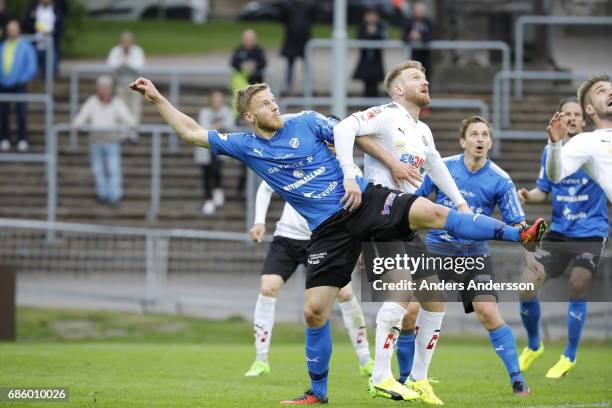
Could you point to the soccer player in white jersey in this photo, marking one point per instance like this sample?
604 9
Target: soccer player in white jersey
591 151
287 251
575 241
398 138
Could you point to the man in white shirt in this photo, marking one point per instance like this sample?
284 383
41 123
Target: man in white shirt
127 59
104 110
287 251
591 151
399 142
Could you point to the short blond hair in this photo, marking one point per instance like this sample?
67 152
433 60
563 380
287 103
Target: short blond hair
584 89
398 69
244 96
474 119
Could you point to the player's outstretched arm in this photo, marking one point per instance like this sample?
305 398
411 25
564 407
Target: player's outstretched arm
184 126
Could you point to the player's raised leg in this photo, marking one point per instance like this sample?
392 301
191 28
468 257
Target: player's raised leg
478 227
354 323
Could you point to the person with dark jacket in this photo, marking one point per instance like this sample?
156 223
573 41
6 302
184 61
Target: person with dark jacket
249 59
370 67
419 29
297 17
45 19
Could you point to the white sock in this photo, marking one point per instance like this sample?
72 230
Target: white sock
263 323
354 322
388 323
427 329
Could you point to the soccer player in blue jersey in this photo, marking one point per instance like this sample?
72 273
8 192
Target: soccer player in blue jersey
576 239
341 210
483 185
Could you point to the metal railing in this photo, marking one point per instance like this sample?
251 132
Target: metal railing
309 102
396 44
156 132
175 75
519 36
155 248
501 109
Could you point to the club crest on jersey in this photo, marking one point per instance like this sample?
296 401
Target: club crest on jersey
298 173
294 142
388 203
424 139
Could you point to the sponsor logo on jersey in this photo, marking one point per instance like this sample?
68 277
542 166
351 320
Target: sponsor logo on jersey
567 213
413 159
258 151
388 204
223 136
276 169
331 187
315 259
294 142
306 179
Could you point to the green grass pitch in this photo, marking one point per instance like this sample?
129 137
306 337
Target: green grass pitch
127 360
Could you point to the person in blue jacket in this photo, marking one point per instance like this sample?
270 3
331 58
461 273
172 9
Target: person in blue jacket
17 67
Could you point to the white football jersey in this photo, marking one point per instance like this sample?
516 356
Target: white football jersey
400 135
593 152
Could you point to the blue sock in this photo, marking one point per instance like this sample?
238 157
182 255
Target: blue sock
318 353
530 314
479 227
405 354
576 317
504 345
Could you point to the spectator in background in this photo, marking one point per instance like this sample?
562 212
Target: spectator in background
46 20
127 59
418 29
248 61
297 17
216 116
370 67
17 68
104 110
